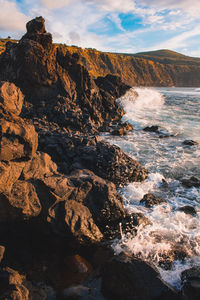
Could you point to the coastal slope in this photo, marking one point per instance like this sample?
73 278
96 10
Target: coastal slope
154 68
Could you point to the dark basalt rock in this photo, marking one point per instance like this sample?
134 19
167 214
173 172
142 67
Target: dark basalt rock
191 283
154 128
56 86
121 129
132 279
190 143
150 200
191 182
105 160
189 210
63 197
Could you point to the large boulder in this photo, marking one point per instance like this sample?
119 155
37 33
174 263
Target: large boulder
18 139
191 283
14 286
89 205
11 97
126 278
9 174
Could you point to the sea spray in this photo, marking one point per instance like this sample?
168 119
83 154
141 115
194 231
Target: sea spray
171 239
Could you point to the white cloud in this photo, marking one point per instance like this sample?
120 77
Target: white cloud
190 7
10 17
113 5
54 4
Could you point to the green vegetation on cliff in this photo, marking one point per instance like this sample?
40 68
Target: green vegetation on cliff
155 68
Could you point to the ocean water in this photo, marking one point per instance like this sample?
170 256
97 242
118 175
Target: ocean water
172 236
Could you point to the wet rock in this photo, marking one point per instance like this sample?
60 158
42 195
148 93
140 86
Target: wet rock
154 128
189 210
191 283
129 278
191 182
11 97
149 200
190 143
121 129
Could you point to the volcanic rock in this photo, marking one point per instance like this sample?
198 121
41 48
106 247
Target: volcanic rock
105 160
191 283
190 210
14 286
190 143
18 138
191 182
11 97
150 200
130 279
153 128
57 86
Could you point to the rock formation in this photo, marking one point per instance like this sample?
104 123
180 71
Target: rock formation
58 181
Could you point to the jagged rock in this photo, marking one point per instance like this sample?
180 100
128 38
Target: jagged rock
11 97
9 174
131 279
122 129
99 195
190 210
18 139
190 182
14 286
150 200
77 219
39 166
88 206
57 86
153 128
190 143
105 160
191 283
36 26
22 202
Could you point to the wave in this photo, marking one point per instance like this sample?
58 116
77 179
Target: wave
139 98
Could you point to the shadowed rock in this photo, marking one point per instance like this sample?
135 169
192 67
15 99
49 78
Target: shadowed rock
131 279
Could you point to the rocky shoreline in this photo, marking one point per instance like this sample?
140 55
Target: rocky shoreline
58 180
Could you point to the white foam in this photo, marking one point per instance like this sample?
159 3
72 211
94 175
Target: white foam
169 228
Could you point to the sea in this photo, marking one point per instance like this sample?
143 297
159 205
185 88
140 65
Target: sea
170 231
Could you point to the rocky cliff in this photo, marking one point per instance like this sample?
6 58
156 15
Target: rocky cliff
156 68
159 68
59 205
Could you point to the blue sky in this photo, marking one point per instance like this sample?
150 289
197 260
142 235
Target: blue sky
128 26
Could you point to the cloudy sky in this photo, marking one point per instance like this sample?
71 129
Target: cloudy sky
111 25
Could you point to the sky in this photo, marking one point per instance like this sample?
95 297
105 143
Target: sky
125 26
